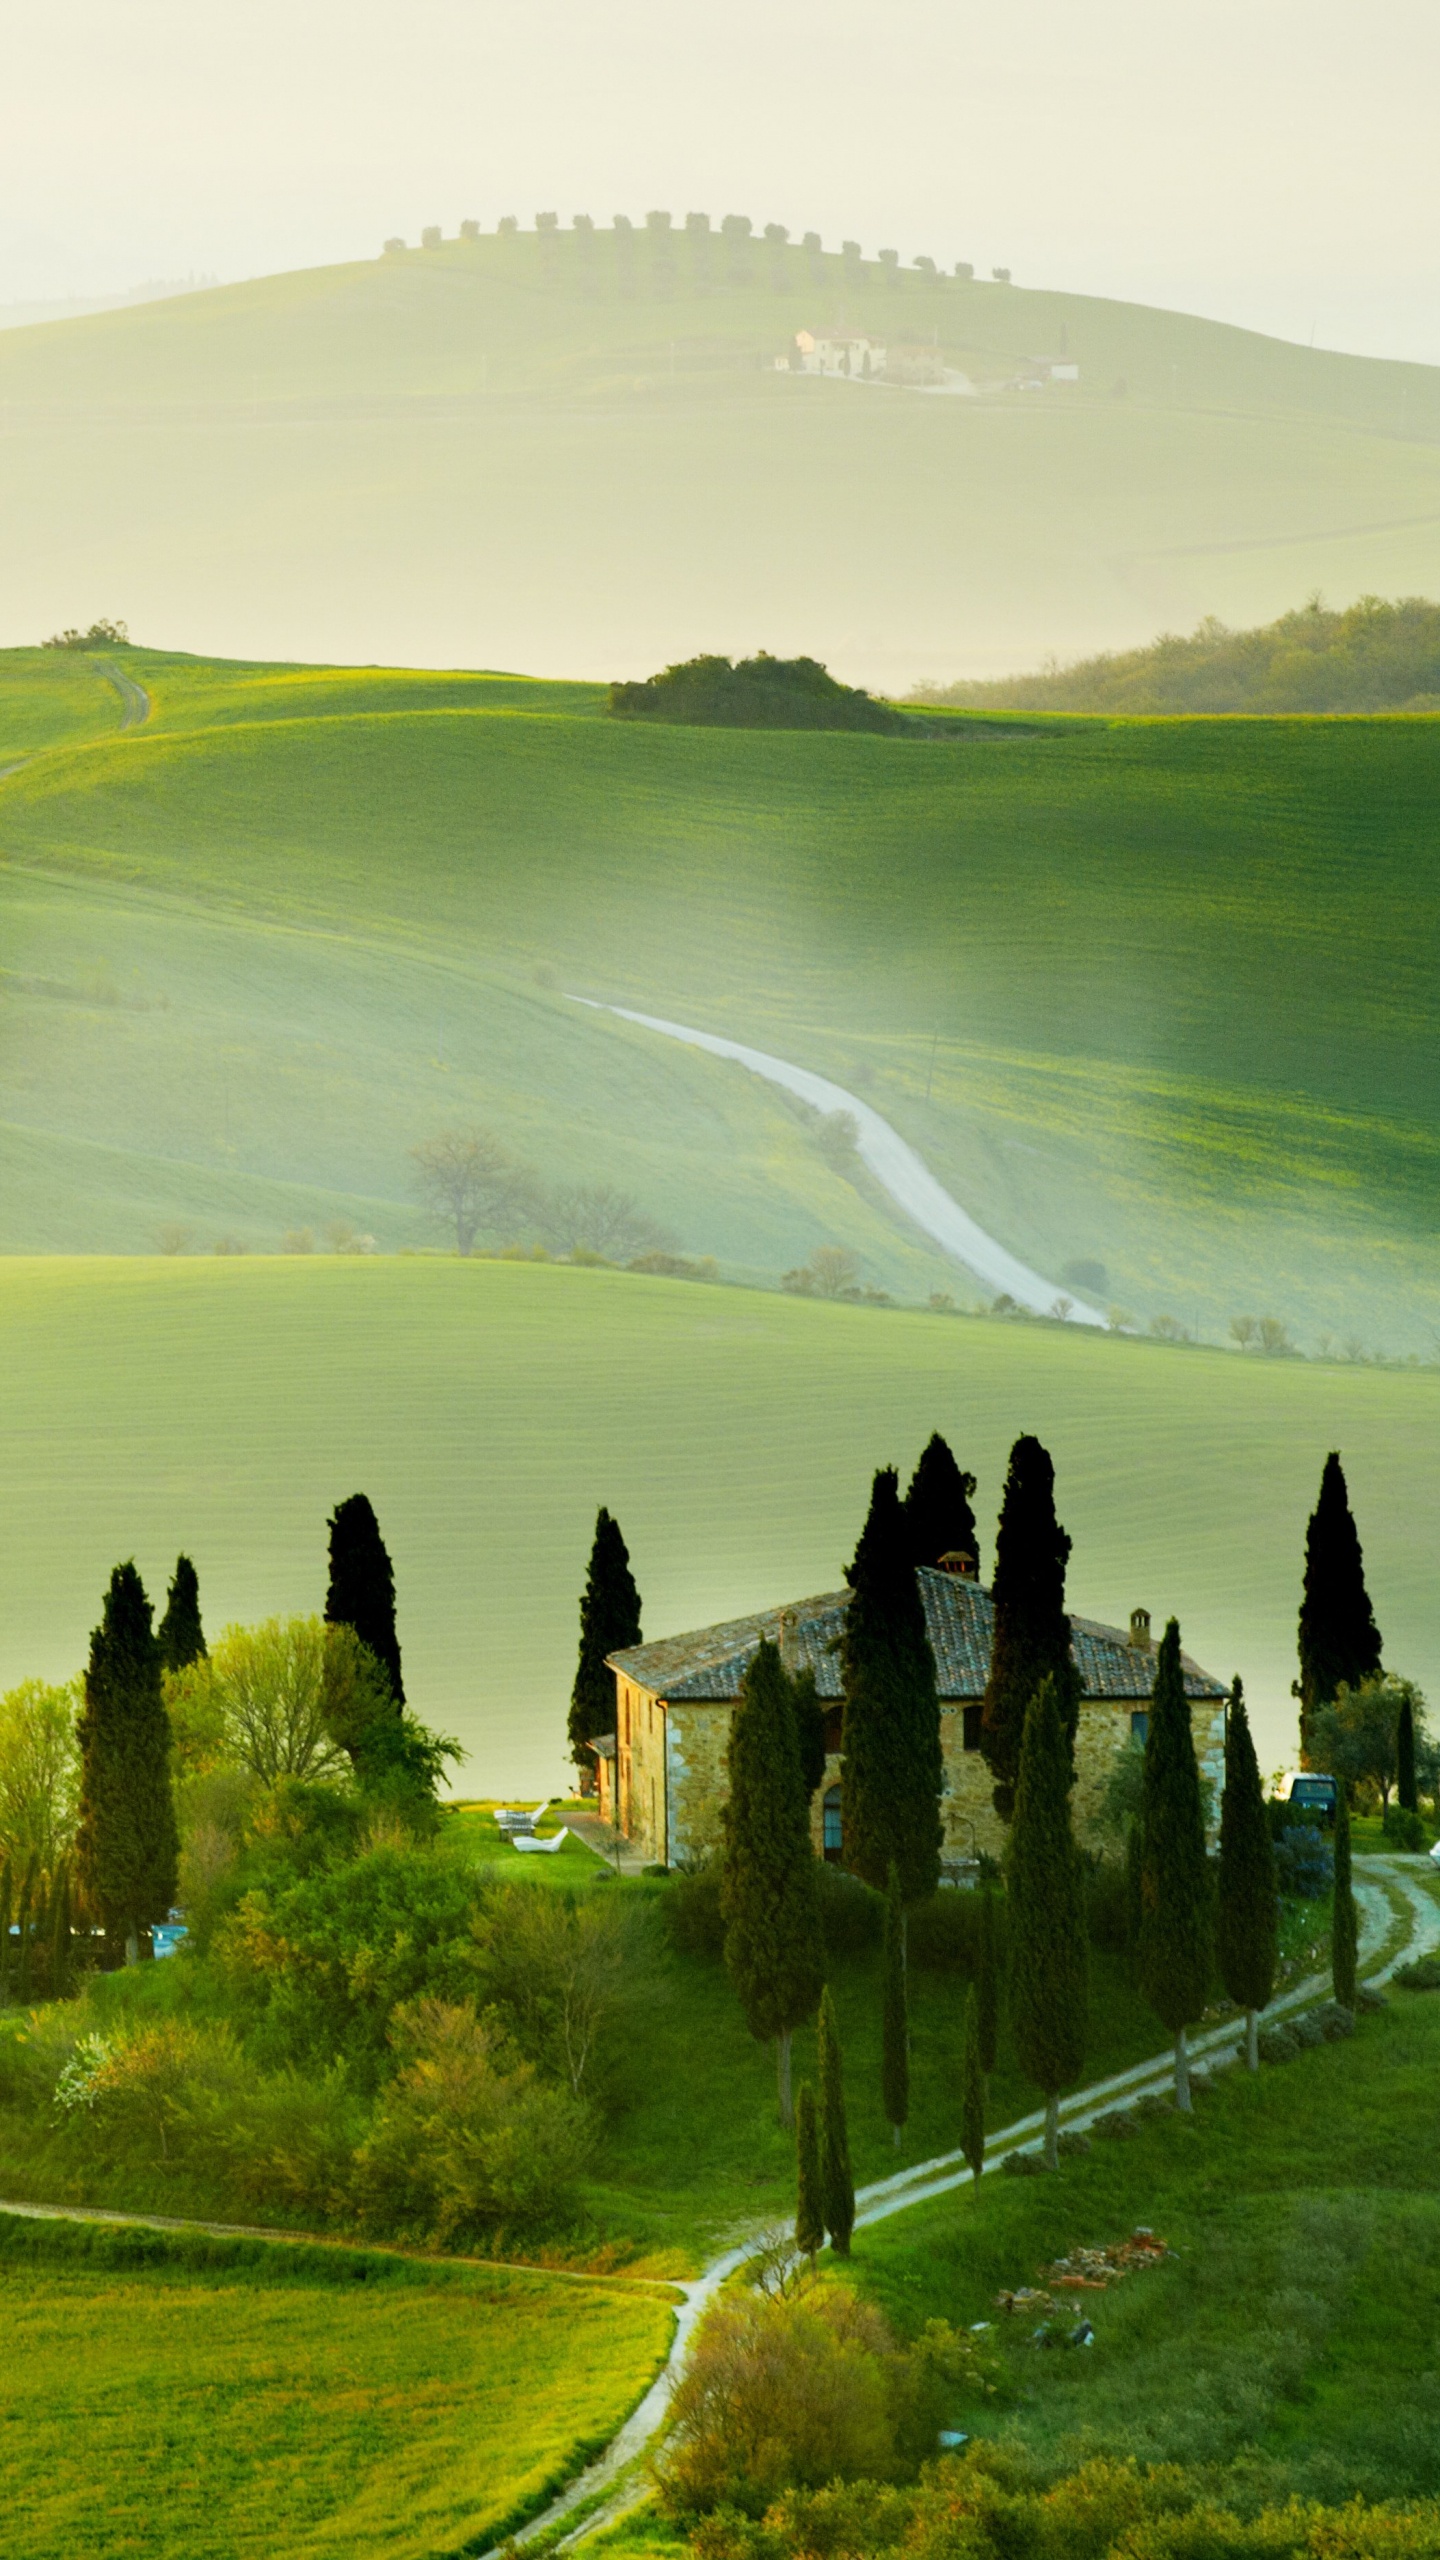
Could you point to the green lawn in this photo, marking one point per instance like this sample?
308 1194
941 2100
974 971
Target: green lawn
490 1408
512 453
1293 2331
194 2402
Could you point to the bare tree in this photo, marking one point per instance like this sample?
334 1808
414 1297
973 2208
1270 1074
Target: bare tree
469 1181
598 1219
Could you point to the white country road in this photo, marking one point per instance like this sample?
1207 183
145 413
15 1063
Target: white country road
896 1167
134 712
1399 1918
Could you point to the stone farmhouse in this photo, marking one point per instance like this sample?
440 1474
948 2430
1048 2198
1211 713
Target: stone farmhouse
662 1771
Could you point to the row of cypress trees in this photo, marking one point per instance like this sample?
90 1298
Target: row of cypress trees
127 1842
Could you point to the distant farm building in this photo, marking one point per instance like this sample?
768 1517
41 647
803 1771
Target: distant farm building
662 1772
855 359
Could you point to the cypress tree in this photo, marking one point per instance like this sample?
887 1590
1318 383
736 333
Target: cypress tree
809 1728
1248 1914
1032 1631
1406 1792
1048 1990
895 2018
609 1623
938 1518
1339 1640
837 2179
362 1586
972 2095
1134 1867
61 1948
180 1636
987 1983
1175 1933
773 1950
1343 1932
893 1765
127 1843
809 2213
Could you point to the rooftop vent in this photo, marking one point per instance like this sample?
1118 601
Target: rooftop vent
1140 1630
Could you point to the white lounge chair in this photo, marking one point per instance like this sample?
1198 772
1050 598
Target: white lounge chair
540 1848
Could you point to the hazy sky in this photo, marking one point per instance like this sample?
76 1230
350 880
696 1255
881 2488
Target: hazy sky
1266 161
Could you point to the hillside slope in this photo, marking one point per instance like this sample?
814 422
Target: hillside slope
542 452
1153 996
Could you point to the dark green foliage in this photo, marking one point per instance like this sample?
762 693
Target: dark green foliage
1343 1927
180 1636
809 1729
987 1982
609 1623
895 2018
1032 1631
938 1517
772 1926
1175 1925
1304 1862
892 1758
852 1915
947 1933
1339 1640
362 1586
756 693
1134 1868
1247 1913
1405 1787
809 2212
837 2178
1046 1911
127 1846
972 2095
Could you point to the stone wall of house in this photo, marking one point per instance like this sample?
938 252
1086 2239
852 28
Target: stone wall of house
699 1739
640 1769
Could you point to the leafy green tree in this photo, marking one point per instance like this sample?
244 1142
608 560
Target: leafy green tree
39 1773
1032 1631
809 2212
1048 1988
972 2094
1357 1736
987 1983
1176 1948
180 1636
938 1516
396 1760
895 2015
837 2178
773 1948
1344 1937
1339 1640
609 1623
1248 1911
362 1586
127 1843
1405 1780
893 1766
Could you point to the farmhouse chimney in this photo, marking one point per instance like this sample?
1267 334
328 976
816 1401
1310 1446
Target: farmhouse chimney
1140 1630
790 1639
955 1560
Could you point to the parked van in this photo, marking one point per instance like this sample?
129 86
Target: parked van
1308 1792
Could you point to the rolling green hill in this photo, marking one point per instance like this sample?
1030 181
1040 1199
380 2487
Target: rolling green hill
489 1408
556 454
1156 997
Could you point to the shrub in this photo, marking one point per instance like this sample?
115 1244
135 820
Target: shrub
1107 1906
851 1915
1278 2044
1405 1830
555 1964
466 2135
1421 1974
1304 1863
802 2390
692 1913
1024 2164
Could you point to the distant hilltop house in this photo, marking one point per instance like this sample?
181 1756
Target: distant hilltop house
914 368
662 1771
854 359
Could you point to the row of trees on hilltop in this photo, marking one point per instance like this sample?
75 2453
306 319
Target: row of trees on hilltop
653 245
1373 656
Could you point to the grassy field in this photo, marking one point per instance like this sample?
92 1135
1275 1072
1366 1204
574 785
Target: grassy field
1153 995
1292 2333
514 452
488 1409
194 2401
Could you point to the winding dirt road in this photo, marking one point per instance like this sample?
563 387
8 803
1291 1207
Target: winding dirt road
896 1167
